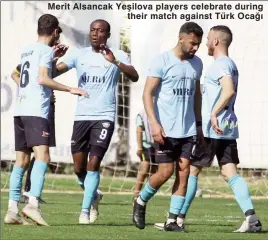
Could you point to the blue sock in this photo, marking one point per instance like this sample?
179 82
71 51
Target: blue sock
15 183
91 183
176 204
38 178
190 194
241 192
147 192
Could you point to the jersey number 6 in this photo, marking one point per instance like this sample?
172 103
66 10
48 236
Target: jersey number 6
24 77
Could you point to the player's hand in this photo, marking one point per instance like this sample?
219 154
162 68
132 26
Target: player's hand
215 125
158 133
200 136
139 153
79 92
59 51
107 53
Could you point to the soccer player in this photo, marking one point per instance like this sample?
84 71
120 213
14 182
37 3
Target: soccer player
98 70
30 119
52 138
146 150
220 128
174 80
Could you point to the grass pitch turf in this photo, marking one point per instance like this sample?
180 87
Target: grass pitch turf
207 219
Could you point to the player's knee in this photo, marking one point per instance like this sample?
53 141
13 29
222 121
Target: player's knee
22 163
166 173
194 171
93 163
79 168
42 153
80 172
23 159
144 167
185 170
228 170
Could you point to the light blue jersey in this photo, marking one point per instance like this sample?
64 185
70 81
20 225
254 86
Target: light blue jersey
99 78
174 96
34 99
227 120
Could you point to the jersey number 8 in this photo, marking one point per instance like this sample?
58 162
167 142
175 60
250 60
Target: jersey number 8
103 134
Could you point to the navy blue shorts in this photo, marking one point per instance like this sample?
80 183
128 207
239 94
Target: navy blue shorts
31 131
224 149
93 136
174 149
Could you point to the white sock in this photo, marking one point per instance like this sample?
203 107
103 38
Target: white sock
140 201
180 220
170 220
84 211
34 201
99 191
26 194
252 218
13 206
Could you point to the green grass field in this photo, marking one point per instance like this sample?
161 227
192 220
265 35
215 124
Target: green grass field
211 185
208 218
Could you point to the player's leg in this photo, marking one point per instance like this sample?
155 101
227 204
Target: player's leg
227 155
80 169
165 159
100 136
184 150
80 166
22 161
202 156
27 187
37 136
143 171
80 149
154 165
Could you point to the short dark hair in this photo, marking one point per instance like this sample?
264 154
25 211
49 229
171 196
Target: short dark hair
47 23
192 27
226 30
59 30
108 26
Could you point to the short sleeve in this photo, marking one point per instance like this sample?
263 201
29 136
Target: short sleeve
70 59
156 68
139 122
46 58
223 69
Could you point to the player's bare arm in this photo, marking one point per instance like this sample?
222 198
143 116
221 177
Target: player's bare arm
45 80
197 110
128 70
227 93
60 68
15 75
157 130
139 140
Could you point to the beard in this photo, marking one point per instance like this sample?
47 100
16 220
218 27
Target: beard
187 54
210 51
